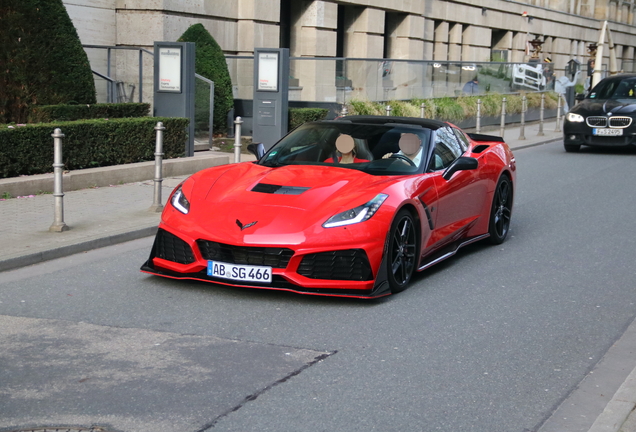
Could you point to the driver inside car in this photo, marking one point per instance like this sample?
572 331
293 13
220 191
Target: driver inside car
410 146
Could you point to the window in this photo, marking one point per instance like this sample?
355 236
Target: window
447 149
463 141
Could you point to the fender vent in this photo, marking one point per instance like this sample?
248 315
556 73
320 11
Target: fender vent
480 148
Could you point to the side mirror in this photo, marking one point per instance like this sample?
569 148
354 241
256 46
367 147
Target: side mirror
257 149
579 97
460 164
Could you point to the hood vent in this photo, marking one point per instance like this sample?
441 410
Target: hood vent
279 190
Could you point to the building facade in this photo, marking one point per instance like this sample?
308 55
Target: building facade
439 30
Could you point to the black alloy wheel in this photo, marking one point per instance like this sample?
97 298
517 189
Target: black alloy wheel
501 211
402 251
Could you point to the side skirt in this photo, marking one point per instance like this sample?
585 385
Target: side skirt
449 251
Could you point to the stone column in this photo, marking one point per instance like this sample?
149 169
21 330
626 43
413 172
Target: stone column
314 35
407 42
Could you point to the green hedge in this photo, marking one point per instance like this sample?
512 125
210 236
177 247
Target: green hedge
210 62
54 113
298 116
41 58
28 149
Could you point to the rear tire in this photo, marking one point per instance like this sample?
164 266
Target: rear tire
402 251
501 211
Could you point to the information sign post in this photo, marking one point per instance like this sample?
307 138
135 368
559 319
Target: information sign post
174 84
271 95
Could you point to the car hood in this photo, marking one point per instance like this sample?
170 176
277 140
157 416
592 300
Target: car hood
605 107
287 202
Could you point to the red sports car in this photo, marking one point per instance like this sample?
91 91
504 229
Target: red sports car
350 207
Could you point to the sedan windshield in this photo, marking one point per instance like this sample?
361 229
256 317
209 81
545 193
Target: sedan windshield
377 149
615 89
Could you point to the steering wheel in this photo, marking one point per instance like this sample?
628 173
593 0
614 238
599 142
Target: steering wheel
402 157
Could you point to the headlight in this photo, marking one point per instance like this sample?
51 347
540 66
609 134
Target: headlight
356 215
179 201
575 118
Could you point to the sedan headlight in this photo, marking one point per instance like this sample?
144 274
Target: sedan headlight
357 214
575 118
179 201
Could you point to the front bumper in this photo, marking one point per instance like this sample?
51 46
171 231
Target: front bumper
347 272
582 134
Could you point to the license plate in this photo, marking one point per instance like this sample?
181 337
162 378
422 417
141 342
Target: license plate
240 272
607 132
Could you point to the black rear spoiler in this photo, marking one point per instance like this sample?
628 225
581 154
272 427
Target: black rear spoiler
480 137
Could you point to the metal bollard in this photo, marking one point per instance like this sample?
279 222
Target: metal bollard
344 111
237 139
388 110
503 118
422 109
558 118
522 129
478 119
541 115
156 201
58 172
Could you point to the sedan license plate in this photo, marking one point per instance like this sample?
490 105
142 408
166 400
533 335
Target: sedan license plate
240 272
607 132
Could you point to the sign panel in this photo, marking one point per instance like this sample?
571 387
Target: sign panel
268 71
170 69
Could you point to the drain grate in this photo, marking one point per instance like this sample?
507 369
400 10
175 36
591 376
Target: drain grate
61 429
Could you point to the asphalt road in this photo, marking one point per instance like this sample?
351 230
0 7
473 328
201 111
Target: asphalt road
493 339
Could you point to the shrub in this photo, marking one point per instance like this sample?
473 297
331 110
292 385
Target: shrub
41 57
87 143
298 116
364 107
210 63
51 113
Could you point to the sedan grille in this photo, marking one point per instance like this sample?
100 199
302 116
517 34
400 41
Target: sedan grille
266 256
352 264
594 121
171 248
620 122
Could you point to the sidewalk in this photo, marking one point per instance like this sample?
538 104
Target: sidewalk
106 212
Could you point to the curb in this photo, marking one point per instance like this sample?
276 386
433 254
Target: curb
64 251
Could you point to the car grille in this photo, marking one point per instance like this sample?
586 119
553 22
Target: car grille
172 248
266 256
594 121
614 122
620 122
352 264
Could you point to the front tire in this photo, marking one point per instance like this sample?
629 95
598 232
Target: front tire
402 251
572 148
501 211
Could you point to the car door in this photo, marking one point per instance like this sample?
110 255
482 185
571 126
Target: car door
461 197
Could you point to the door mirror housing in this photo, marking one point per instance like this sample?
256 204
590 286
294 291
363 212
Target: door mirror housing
257 149
462 163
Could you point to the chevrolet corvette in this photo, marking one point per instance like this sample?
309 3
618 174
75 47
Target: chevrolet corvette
351 207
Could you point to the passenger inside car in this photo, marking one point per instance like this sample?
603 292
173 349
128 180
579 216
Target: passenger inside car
346 147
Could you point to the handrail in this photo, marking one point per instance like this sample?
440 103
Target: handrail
141 65
119 47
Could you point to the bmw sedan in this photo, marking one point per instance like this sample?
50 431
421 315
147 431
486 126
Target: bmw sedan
605 117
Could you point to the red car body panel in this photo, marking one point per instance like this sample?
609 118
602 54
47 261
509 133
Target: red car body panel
225 209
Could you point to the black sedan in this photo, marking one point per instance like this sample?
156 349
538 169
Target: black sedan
605 117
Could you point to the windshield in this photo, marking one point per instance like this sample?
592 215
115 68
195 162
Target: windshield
377 149
615 89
